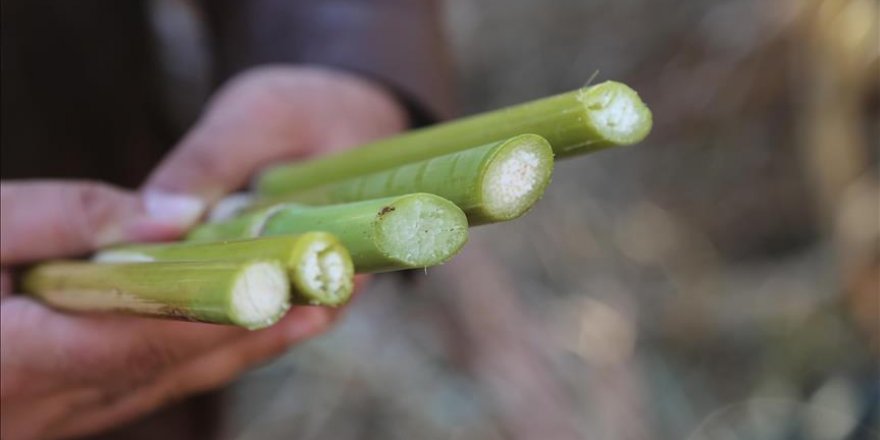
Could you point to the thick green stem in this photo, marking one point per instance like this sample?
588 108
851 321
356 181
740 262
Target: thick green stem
319 267
251 294
404 232
588 119
492 183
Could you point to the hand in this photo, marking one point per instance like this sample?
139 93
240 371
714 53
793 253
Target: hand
65 375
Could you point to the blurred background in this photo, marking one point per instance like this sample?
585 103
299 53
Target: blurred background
718 281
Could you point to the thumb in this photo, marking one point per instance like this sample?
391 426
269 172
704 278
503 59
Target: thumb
43 219
271 114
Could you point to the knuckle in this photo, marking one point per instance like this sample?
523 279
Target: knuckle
275 93
264 98
91 208
203 161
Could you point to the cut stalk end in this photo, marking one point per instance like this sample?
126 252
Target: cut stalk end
421 230
515 177
260 295
324 270
616 113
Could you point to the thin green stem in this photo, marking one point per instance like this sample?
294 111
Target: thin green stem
319 267
588 119
402 232
251 294
492 183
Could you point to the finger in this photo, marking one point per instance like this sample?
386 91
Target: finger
43 350
272 114
206 372
37 418
43 219
225 363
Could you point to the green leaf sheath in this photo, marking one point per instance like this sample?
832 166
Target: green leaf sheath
492 183
251 294
319 267
403 232
588 119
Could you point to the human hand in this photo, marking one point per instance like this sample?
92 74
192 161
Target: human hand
64 375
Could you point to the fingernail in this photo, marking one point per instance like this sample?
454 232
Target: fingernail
230 206
179 209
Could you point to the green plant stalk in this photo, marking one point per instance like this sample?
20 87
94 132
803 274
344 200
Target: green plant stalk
493 183
402 232
588 119
318 266
251 294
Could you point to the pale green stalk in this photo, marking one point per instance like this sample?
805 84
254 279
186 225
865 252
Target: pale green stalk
319 267
251 294
403 232
588 119
493 183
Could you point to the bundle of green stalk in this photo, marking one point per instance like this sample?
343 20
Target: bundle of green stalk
250 283
582 121
399 203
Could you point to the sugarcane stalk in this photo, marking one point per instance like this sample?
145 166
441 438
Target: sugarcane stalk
493 183
588 119
252 294
318 266
393 233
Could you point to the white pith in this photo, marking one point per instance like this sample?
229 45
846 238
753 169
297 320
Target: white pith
259 292
324 270
618 114
420 232
510 181
336 277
